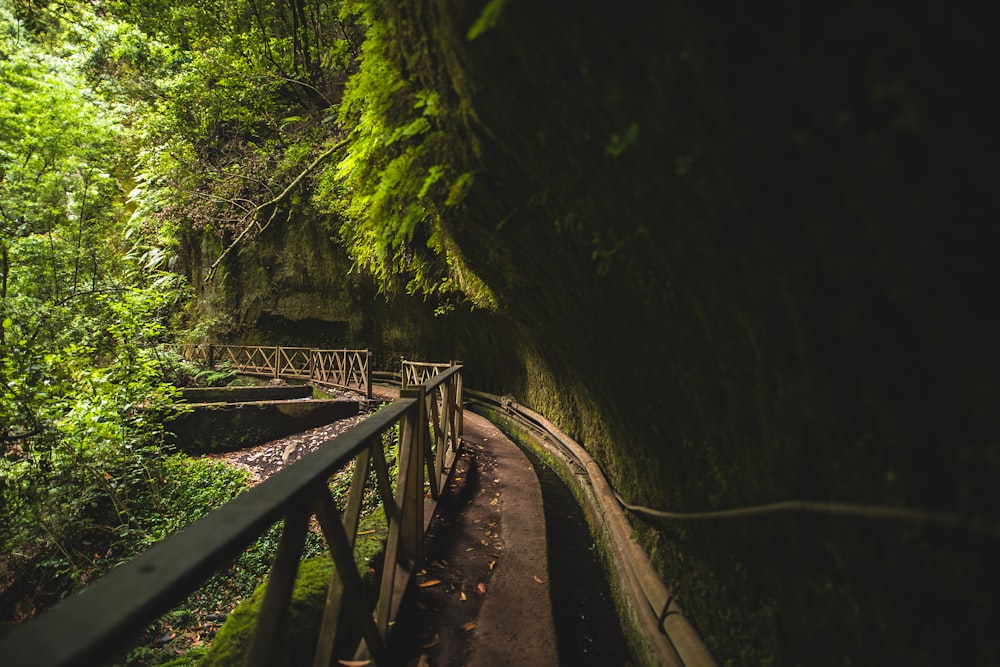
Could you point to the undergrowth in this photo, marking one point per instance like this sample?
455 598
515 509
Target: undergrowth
186 634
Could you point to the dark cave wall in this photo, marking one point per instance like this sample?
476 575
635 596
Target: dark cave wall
745 256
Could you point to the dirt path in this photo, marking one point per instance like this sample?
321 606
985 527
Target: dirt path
482 597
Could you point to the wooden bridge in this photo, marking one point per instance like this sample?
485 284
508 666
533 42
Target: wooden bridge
425 426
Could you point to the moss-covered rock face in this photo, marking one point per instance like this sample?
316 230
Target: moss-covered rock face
743 256
294 285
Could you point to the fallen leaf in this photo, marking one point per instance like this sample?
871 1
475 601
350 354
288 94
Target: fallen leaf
461 596
481 588
493 564
432 642
468 626
354 663
539 580
432 582
423 661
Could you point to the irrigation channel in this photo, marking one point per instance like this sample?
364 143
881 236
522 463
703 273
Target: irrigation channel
588 630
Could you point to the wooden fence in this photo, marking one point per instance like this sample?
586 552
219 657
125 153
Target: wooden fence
342 369
95 626
415 372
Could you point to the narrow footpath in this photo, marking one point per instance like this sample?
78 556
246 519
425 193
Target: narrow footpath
482 596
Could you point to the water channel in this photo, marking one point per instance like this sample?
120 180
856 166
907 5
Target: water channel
588 630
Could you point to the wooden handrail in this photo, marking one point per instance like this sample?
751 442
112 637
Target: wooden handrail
94 626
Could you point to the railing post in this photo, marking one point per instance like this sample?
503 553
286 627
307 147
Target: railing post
211 356
412 524
277 362
278 592
459 398
368 373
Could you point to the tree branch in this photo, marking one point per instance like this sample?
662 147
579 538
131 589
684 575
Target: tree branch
273 203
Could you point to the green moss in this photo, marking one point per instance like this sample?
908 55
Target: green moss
189 659
300 627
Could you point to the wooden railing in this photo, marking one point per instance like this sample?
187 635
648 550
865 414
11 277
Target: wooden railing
415 372
348 369
343 369
96 625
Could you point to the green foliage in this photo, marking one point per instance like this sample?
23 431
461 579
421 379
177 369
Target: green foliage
180 372
487 19
399 171
229 105
84 295
191 488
